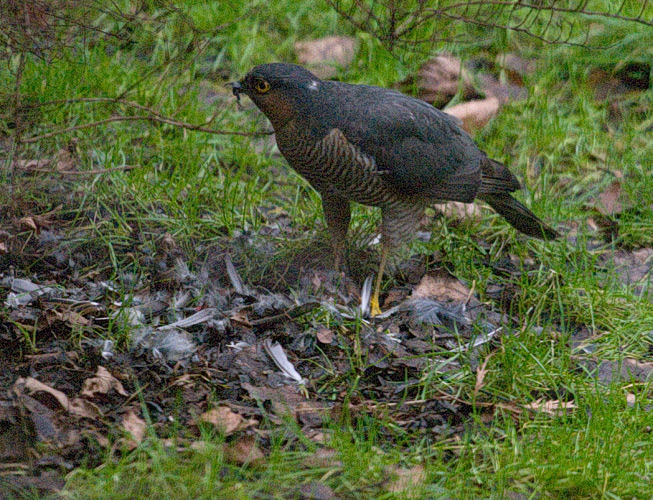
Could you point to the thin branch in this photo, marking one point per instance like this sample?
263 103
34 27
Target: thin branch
98 171
552 8
549 21
115 100
159 119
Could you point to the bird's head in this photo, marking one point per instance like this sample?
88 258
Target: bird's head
279 90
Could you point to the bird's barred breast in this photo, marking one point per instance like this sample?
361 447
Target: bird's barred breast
335 165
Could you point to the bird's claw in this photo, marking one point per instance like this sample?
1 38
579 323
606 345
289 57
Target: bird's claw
375 310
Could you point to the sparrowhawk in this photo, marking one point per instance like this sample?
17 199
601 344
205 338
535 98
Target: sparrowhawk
378 147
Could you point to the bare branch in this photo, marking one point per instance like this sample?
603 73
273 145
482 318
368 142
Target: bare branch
73 173
550 21
151 118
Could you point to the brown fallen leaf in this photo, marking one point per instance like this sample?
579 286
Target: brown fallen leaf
481 372
287 400
244 451
475 114
324 55
553 408
609 201
167 244
38 222
438 80
95 435
406 481
76 406
226 420
135 426
32 164
66 158
67 316
609 84
442 286
102 383
324 335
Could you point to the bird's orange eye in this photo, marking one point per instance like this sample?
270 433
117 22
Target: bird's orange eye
262 86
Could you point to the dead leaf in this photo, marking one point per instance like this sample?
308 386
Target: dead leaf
324 55
288 401
67 316
324 335
77 406
481 371
101 439
438 80
442 286
28 223
244 451
553 408
135 426
406 481
66 158
609 200
102 383
32 164
240 317
226 420
475 114
38 222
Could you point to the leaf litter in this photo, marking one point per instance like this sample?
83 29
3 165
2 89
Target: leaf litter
245 357
240 357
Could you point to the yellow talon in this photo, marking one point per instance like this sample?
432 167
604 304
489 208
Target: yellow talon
375 310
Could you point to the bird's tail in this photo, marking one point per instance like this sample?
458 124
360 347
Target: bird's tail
519 217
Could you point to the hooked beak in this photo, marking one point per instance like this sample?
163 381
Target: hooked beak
236 88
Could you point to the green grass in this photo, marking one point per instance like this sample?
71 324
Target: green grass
207 189
603 451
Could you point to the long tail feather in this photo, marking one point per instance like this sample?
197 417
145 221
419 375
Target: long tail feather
519 217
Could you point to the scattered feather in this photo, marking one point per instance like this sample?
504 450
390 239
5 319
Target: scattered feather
278 355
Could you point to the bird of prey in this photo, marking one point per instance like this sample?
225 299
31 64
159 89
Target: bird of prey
378 147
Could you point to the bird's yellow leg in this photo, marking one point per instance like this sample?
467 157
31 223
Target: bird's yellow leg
375 309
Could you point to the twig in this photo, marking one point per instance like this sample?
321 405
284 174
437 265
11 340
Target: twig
98 171
144 118
18 120
114 100
289 314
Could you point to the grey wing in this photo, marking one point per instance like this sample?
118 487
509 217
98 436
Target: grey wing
420 150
